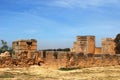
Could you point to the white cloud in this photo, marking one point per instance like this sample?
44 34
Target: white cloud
85 3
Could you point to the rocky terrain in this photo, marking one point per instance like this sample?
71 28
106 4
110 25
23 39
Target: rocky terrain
42 73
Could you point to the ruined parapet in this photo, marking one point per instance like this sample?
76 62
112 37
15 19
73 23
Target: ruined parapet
62 59
108 46
85 44
48 58
54 59
20 46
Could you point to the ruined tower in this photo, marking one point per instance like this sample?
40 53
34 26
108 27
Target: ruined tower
28 46
108 46
85 44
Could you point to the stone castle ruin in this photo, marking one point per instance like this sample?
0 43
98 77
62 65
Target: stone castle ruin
83 54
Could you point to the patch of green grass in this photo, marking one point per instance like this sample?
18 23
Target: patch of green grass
6 75
68 69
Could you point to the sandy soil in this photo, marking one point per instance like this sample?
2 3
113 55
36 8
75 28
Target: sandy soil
40 73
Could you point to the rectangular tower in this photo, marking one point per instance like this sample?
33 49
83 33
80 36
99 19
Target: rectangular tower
85 44
108 46
20 46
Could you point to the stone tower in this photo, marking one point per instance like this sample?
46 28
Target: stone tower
108 46
28 46
85 44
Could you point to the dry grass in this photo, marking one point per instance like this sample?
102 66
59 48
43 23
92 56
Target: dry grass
40 73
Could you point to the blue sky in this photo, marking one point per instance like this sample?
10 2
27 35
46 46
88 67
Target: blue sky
56 23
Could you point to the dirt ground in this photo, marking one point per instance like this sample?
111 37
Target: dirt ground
40 73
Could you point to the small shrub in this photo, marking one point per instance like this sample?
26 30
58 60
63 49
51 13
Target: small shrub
68 69
6 75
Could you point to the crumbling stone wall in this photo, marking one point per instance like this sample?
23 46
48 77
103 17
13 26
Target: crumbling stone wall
71 59
54 59
22 61
62 59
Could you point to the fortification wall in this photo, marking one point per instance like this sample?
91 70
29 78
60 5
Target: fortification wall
53 59
69 60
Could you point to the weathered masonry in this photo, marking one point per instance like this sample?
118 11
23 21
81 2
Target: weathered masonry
27 46
83 54
84 44
108 46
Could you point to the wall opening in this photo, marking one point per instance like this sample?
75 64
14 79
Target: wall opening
44 54
55 55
